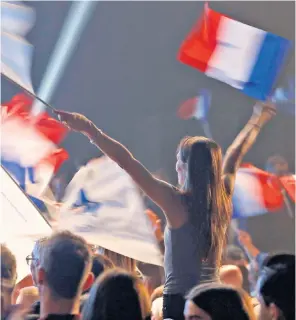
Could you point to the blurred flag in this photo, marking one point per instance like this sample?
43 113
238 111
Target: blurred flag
16 18
197 107
35 180
245 57
256 192
16 52
21 223
109 212
27 142
288 183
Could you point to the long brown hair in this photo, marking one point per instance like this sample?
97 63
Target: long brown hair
205 196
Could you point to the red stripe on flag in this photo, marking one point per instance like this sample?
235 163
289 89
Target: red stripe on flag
198 47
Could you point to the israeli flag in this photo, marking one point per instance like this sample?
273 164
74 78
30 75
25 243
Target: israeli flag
103 205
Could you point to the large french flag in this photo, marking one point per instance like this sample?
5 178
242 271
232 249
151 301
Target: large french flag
243 56
256 192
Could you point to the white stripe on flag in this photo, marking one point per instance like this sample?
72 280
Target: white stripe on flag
22 143
21 222
120 224
16 56
16 18
236 54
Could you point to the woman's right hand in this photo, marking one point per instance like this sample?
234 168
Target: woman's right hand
264 111
74 121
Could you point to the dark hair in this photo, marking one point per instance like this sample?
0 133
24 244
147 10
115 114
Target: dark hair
285 259
205 196
113 296
277 285
221 302
66 260
8 265
100 263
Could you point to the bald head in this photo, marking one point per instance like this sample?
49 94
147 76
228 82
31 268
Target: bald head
231 275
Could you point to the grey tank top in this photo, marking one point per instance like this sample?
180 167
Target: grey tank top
183 264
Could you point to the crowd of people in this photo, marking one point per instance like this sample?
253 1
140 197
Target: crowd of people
71 280
203 277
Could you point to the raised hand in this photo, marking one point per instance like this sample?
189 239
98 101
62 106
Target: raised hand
264 111
74 121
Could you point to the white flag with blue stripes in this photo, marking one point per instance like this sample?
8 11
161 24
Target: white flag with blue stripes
103 205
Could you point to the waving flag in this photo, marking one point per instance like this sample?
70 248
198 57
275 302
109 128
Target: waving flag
109 212
21 223
26 142
197 107
256 192
16 18
16 52
240 55
288 183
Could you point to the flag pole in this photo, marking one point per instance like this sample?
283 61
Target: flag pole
30 93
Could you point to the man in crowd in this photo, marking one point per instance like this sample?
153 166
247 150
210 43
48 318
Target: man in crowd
276 288
64 269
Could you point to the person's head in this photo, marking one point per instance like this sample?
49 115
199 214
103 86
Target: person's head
120 260
199 168
231 275
234 255
286 259
218 302
8 278
28 296
276 292
117 294
64 267
100 263
277 165
33 260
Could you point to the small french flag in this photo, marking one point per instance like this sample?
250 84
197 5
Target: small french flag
240 55
197 107
256 192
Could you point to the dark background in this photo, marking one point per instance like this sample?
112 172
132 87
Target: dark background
124 75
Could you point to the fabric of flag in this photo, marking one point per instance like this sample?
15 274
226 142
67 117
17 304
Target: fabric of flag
240 55
203 104
16 18
28 142
288 183
197 107
256 192
21 223
16 52
103 205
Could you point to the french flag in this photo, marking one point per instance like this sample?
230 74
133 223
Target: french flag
240 55
27 140
256 192
34 181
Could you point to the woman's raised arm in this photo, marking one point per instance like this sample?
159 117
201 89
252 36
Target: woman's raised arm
160 192
262 113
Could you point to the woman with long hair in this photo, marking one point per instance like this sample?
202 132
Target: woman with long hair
198 212
117 294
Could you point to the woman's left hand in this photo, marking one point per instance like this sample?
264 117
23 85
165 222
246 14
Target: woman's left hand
74 121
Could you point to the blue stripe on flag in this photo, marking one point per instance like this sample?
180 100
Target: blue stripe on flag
273 51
